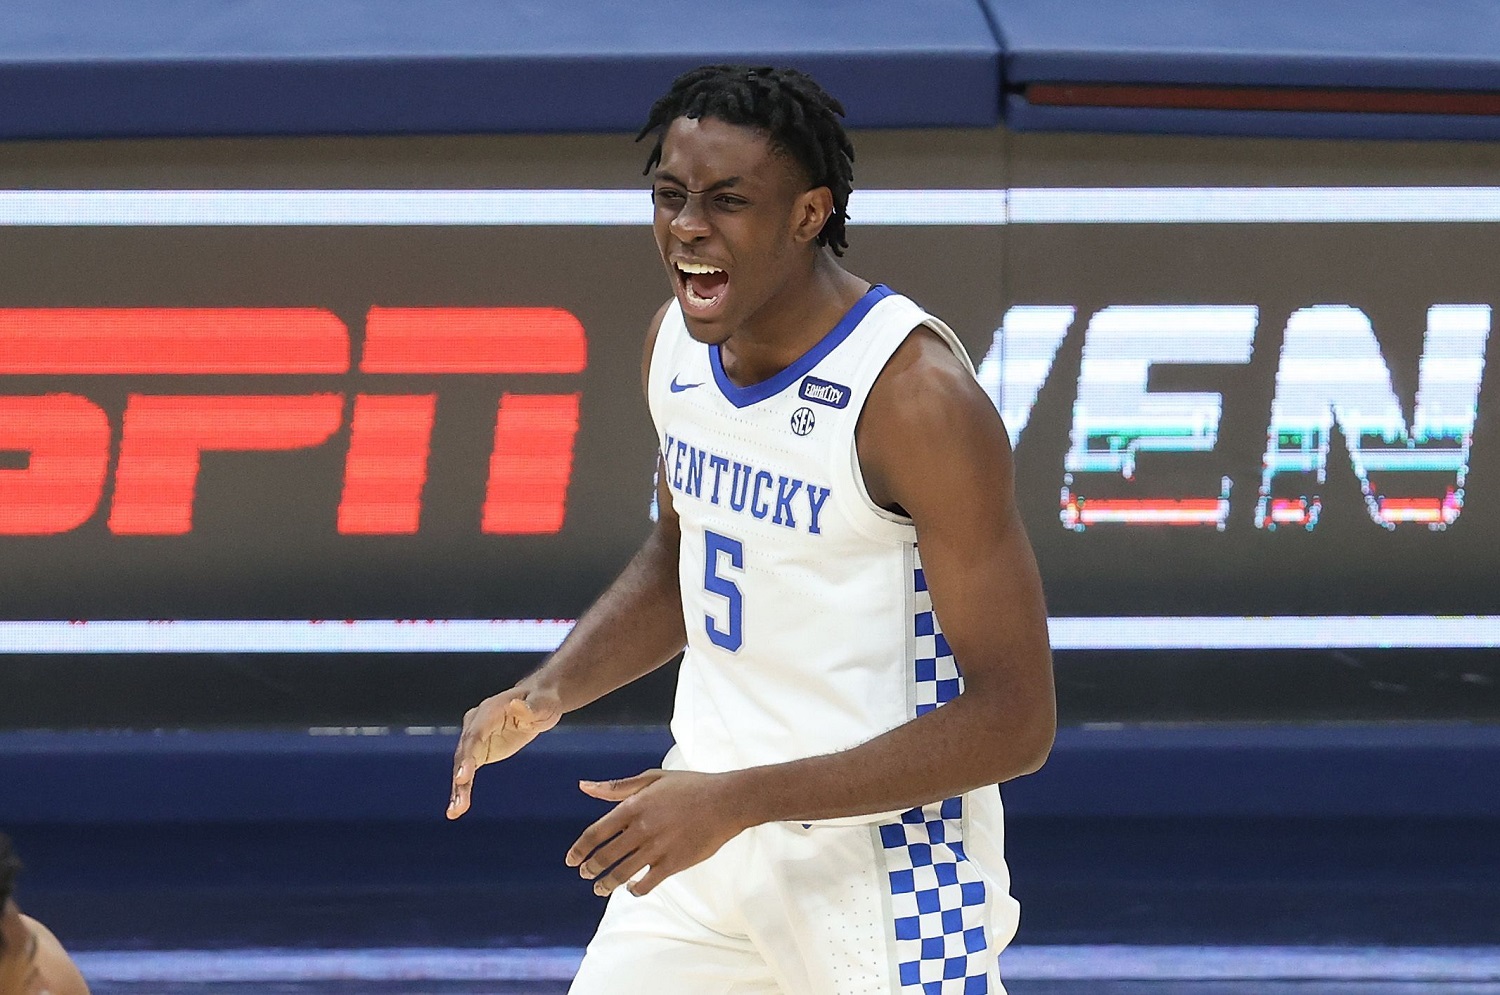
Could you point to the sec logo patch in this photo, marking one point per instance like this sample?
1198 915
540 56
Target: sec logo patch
803 421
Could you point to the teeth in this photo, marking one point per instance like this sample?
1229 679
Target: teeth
695 299
698 268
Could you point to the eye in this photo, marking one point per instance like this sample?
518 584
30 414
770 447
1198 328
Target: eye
730 202
666 196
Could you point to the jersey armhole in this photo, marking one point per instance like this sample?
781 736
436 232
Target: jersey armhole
662 351
863 513
867 503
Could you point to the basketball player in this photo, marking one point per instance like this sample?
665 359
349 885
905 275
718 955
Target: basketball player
32 962
833 482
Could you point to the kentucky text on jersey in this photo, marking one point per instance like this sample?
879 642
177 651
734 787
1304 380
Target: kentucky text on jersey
743 488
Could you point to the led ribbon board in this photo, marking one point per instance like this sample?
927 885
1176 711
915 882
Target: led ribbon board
370 387
544 635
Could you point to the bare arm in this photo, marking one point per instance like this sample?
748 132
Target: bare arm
931 444
633 628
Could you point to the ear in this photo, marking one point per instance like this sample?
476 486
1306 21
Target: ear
810 212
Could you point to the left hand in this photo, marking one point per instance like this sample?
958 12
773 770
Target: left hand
669 820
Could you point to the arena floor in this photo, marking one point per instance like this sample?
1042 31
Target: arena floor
1034 971
1013 988
1018 988
1046 988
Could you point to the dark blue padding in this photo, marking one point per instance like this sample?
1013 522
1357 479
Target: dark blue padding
1020 115
1442 45
1443 770
1393 770
82 68
293 776
1399 44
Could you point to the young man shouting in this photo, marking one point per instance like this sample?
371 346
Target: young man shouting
839 552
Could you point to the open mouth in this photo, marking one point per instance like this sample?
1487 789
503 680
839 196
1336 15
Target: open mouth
703 285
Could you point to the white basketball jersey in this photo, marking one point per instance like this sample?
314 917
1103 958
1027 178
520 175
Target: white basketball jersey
809 627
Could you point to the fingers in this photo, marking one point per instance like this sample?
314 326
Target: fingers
645 838
616 820
620 789
656 874
463 783
494 730
594 837
464 764
628 867
614 863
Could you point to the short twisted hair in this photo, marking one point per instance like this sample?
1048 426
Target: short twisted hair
799 117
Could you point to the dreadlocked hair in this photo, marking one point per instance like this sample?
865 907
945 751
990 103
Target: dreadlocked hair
800 118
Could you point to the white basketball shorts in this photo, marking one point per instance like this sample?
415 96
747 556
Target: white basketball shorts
918 906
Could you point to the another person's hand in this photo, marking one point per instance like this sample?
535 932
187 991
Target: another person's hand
667 820
495 729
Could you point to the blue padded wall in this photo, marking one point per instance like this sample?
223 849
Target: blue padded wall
78 68
1443 45
1439 45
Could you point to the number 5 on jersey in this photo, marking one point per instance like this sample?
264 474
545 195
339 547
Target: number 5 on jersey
723 553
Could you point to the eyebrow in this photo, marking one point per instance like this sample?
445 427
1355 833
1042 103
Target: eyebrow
662 174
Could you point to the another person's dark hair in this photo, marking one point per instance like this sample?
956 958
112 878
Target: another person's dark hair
800 118
10 866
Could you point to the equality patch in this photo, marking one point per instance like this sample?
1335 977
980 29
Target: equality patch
835 395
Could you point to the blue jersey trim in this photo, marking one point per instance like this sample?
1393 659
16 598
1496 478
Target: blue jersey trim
743 397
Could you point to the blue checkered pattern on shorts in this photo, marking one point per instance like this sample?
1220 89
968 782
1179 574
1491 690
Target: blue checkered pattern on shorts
938 899
936 674
937 895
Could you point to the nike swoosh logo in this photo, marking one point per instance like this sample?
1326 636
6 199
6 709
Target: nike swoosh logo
678 388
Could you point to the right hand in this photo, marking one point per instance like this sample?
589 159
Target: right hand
495 729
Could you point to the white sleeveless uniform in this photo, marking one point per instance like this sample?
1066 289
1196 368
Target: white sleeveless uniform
809 631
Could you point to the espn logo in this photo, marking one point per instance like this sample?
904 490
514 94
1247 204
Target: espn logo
67 438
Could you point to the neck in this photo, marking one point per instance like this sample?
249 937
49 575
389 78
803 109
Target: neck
792 321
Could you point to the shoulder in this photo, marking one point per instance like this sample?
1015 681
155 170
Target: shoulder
925 386
56 967
926 419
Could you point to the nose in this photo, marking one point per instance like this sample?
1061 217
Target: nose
690 224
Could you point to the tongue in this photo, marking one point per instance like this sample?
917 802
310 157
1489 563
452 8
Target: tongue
708 285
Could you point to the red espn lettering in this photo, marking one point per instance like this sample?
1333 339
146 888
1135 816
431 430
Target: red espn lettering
473 340
531 463
67 437
163 437
164 440
122 341
386 468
